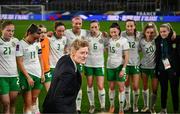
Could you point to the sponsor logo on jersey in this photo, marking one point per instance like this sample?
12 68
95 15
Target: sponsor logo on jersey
117 44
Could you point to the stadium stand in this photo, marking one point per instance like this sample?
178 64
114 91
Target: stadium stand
101 5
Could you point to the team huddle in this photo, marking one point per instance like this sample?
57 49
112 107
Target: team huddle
28 65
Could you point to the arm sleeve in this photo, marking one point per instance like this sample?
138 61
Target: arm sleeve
125 45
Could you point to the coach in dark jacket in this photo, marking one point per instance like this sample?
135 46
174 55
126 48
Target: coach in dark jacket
66 81
167 66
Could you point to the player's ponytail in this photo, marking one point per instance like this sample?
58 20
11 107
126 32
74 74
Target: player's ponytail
32 29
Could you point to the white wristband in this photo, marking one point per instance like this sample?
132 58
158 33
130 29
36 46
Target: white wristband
123 69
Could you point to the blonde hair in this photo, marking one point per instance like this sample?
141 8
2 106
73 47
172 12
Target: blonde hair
167 25
153 26
79 43
76 18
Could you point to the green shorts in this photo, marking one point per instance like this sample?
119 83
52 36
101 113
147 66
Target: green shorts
48 77
91 71
8 84
131 70
26 87
148 72
52 70
113 74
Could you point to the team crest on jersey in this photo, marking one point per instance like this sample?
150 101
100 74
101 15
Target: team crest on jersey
64 42
174 45
117 44
101 41
82 37
89 40
153 43
37 48
13 44
53 40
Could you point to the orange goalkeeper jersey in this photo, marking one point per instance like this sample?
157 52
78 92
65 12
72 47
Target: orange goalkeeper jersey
45 54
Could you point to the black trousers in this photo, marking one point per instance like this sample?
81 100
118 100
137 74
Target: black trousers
165 77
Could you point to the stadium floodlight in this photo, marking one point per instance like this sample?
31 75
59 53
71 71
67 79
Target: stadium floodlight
7 11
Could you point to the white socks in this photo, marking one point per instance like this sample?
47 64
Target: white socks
102 96
135 97
128 96
121 100
78 100
111 97
28 112
90 93
145 94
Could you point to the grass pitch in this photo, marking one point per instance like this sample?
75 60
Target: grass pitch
21 27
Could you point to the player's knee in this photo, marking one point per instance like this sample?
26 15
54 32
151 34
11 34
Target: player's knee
135 88
154 91
100 87
111 88
34 98
145 87
121 89
127 83
90 85
6 105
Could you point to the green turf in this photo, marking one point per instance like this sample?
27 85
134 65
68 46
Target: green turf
21 27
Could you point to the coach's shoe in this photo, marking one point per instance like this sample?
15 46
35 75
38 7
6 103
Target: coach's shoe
111 109
152 111
91 109
163 111
127 108
135 108
144 109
